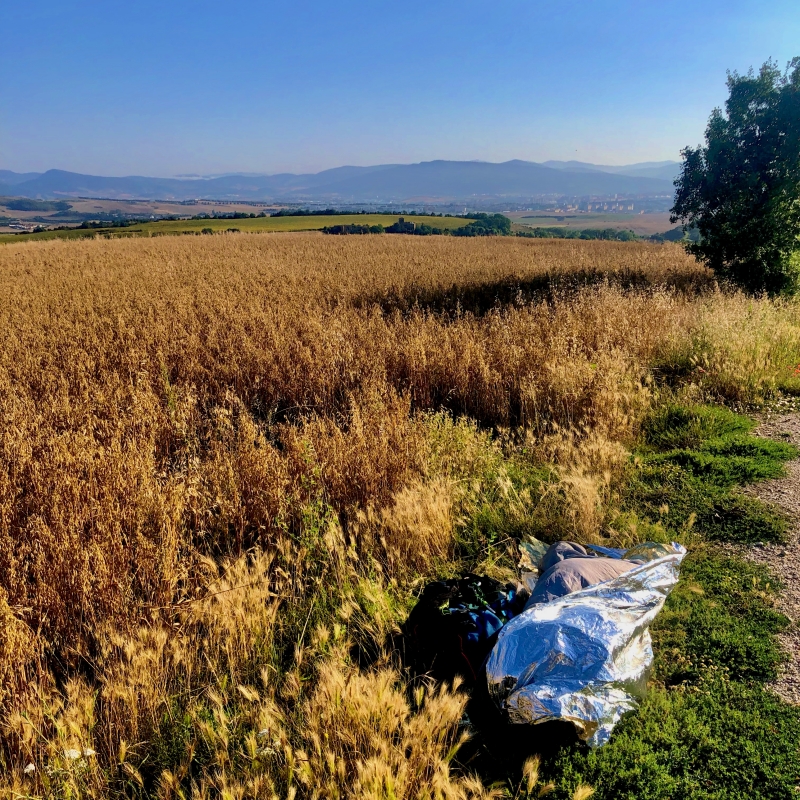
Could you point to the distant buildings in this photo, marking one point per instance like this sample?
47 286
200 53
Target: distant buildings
610 206
594 205
401 226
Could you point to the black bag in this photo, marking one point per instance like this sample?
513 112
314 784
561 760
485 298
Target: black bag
455 624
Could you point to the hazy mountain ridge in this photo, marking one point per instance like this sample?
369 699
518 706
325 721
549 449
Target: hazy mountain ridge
446 180
663 170
469 178
9 178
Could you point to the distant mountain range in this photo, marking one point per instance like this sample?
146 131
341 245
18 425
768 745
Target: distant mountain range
427 181
663 170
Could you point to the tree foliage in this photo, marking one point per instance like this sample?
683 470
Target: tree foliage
344 230
605 234
485 225
742 189
27 204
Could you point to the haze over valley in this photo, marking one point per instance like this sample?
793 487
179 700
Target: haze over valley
432 181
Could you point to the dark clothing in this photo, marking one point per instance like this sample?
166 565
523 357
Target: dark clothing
452 628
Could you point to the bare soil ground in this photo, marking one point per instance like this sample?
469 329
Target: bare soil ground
784 560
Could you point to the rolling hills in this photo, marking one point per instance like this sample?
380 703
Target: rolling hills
426 181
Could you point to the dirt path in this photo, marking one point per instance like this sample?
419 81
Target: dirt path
784 559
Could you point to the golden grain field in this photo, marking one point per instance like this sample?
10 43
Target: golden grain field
224 460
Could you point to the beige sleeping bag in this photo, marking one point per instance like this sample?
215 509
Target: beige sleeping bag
567 567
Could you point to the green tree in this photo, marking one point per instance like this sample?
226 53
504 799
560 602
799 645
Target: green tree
485 225
742 189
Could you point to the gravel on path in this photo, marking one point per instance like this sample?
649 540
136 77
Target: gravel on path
783 559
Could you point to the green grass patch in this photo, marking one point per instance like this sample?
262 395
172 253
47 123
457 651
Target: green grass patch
688 468
708 728
681 501
674 426
721 617
717 740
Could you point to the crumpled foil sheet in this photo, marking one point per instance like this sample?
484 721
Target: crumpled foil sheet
584 657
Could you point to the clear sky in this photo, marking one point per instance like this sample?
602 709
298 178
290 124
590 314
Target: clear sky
190 86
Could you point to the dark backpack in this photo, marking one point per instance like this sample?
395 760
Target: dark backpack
454 626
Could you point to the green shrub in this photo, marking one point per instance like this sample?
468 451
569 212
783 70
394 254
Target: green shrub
486 225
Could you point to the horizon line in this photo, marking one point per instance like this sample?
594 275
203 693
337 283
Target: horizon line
188 176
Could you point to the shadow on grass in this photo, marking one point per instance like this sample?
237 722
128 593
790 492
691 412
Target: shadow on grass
481 298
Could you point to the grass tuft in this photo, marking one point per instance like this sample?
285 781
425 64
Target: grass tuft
677 427
691 742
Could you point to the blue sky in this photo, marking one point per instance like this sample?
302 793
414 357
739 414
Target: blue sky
171 87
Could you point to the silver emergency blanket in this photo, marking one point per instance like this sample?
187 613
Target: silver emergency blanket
584 657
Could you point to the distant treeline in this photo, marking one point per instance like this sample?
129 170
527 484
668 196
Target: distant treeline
606 234
500 225
691 234
308 212
611 234
107 223
343 230
398 227
484 225
228 215
25 204
333 212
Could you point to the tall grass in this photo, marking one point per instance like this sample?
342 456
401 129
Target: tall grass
226 460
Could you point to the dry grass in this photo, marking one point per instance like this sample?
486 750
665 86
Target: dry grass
220 463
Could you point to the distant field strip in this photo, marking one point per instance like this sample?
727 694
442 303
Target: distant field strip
248 225
642 224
